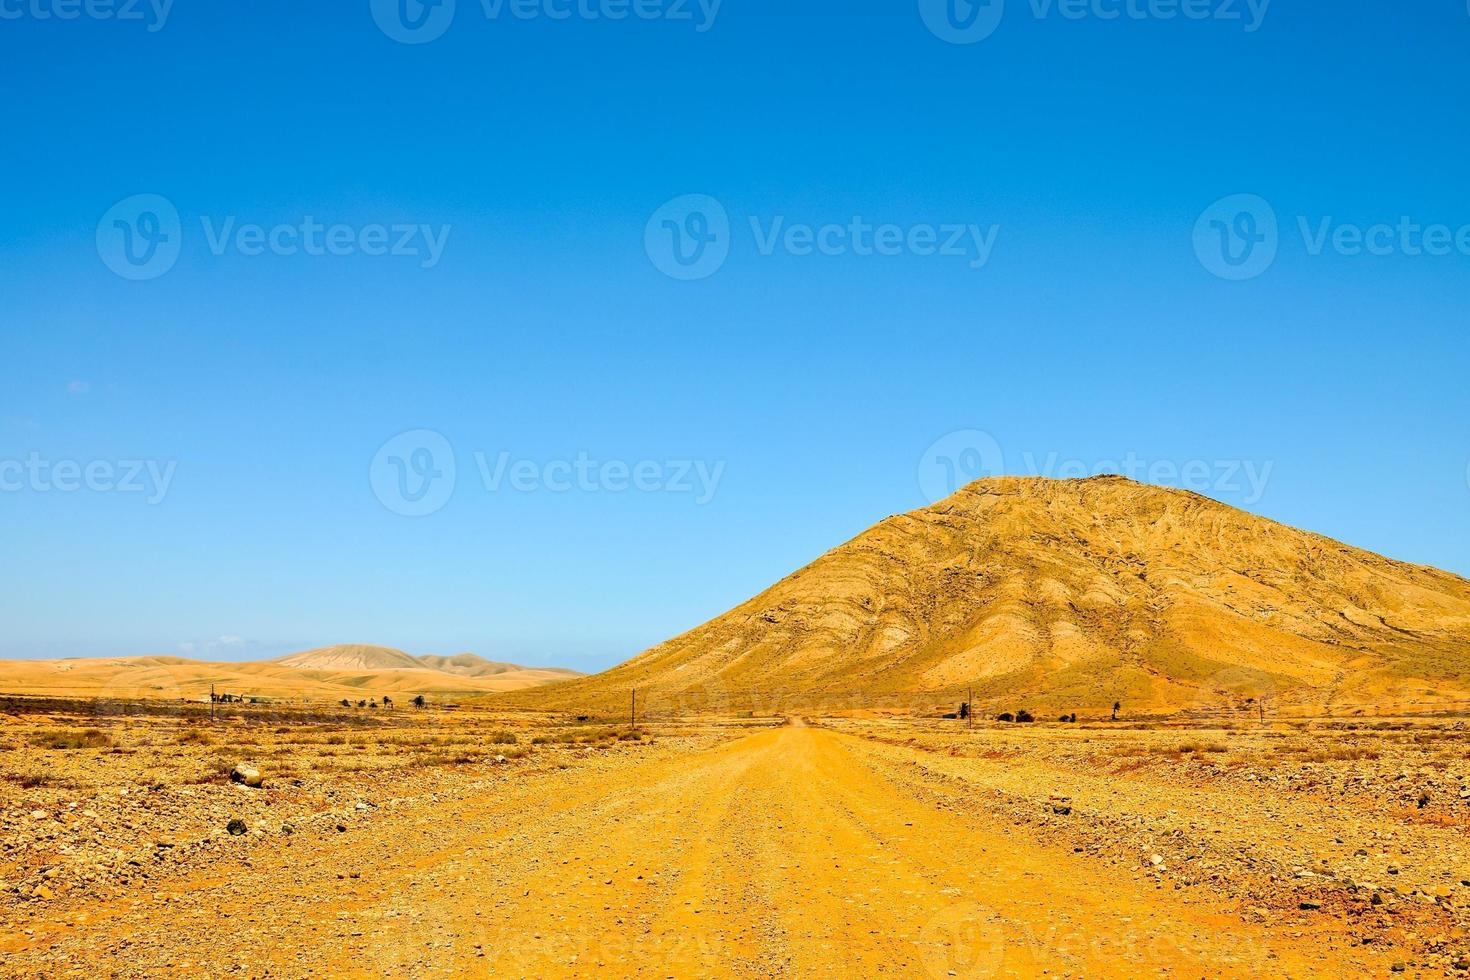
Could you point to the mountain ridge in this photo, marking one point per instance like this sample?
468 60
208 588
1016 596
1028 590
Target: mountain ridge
1067 593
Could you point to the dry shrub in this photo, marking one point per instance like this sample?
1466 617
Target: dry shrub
63 738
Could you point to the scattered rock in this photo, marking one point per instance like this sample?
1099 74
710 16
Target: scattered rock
236 827
247 776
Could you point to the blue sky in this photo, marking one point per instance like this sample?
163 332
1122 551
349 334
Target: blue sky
242 412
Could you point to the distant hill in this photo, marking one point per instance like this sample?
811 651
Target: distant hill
346 671
470 665
1064 594
351 656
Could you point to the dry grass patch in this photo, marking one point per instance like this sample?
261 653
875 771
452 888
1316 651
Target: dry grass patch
61 738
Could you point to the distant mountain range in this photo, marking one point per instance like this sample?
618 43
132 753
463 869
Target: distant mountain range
348 670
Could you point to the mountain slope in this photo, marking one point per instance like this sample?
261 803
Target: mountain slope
1068 593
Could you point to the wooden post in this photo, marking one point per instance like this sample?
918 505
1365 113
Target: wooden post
211 704
970 708
633 716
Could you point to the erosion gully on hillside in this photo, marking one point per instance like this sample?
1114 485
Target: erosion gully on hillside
822 849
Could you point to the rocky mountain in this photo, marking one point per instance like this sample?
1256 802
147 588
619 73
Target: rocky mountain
1068 593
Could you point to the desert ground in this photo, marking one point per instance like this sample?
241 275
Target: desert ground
478 840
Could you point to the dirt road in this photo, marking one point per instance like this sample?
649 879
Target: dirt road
788 852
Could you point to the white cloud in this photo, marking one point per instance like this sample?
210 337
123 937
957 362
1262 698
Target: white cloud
78 387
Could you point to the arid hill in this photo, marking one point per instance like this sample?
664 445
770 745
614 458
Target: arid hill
352 656
473 665
1059 594
330 673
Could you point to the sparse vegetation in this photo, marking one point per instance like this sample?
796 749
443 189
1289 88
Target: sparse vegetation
65 738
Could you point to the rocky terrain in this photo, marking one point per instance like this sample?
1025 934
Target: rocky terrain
491 842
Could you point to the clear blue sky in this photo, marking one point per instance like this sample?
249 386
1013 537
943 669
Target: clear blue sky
544 330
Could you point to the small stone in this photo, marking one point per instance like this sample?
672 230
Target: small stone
247 776
236 827
1309 905
42 892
